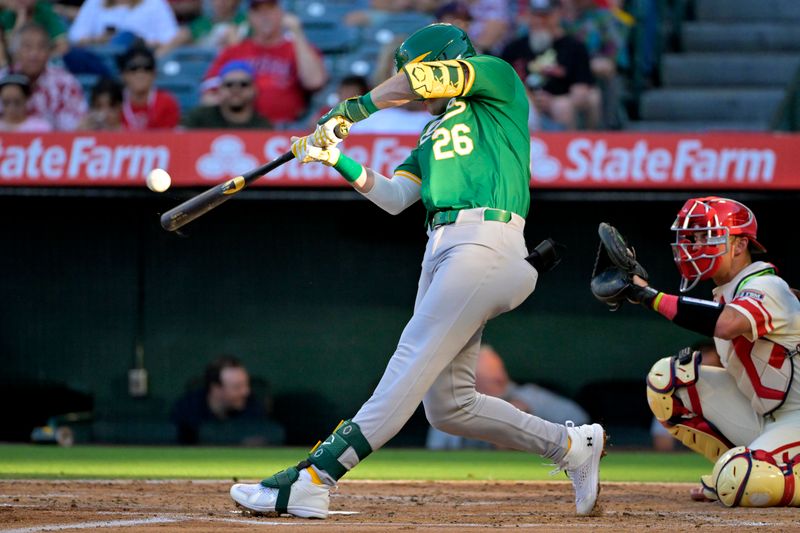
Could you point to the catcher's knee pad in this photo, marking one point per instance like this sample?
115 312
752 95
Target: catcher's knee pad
754 478
685 423
325 455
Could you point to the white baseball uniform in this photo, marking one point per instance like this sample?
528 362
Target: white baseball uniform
755 400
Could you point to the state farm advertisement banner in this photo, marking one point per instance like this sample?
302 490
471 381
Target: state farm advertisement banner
558 160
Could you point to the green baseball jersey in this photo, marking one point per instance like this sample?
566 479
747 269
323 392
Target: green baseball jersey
477 153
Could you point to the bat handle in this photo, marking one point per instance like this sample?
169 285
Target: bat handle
342 130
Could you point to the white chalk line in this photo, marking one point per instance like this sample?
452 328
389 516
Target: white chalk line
587 523
42 495
95 525
704 519
190 481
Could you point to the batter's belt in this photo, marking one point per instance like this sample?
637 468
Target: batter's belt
443 218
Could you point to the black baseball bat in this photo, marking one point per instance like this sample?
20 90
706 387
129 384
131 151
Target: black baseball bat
196 206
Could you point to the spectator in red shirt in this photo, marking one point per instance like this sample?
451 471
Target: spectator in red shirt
287 68
143 106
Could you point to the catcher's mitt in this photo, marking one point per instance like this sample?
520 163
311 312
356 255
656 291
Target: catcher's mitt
614 267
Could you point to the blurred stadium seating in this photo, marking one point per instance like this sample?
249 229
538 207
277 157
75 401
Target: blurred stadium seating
181 72
87 82
731 68
720 64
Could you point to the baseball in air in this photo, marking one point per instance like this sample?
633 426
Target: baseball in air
158 180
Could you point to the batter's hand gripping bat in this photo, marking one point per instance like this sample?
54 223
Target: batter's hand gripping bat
197 206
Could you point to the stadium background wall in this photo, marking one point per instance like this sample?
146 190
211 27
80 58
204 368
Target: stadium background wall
313 296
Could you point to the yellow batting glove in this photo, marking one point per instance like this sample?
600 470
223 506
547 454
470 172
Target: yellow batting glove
325 134
306 151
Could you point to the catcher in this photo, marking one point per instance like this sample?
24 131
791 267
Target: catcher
745 417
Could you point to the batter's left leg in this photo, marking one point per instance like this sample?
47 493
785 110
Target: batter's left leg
453 405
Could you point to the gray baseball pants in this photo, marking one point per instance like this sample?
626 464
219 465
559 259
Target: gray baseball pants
472 271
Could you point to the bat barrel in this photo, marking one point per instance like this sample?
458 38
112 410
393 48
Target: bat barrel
201 204
195 207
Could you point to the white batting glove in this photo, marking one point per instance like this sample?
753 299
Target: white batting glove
325 134
306 151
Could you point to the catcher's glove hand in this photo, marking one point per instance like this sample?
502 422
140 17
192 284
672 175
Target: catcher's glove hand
611 287
614 268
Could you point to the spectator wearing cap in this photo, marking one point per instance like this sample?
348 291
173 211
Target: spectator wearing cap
287 68
123 22
105 107
14 93
555 68
144 107
56 96
235 109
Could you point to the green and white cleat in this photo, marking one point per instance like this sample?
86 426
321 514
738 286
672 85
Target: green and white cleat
300 496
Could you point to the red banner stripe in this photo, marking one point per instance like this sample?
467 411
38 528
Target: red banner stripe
575 160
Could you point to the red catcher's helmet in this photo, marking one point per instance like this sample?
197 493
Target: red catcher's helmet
701 236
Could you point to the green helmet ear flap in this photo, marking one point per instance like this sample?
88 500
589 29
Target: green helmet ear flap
434 42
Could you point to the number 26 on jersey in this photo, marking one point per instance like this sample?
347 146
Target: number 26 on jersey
451 142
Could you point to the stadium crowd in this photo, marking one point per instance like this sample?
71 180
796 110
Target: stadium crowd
165 64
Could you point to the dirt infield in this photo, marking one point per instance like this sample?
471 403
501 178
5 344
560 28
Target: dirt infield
204 506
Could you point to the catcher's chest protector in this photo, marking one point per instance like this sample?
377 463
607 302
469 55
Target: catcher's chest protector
763 372
764 368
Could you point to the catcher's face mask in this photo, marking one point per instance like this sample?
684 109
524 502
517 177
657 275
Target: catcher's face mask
702 230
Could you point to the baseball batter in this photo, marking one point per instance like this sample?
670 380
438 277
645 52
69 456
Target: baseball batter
471 170
744 417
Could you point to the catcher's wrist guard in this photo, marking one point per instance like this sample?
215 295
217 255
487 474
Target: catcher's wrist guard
693 314
696 315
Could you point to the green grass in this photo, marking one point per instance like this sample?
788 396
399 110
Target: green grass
118 462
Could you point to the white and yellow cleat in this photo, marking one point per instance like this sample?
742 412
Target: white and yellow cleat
302 497
582 463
